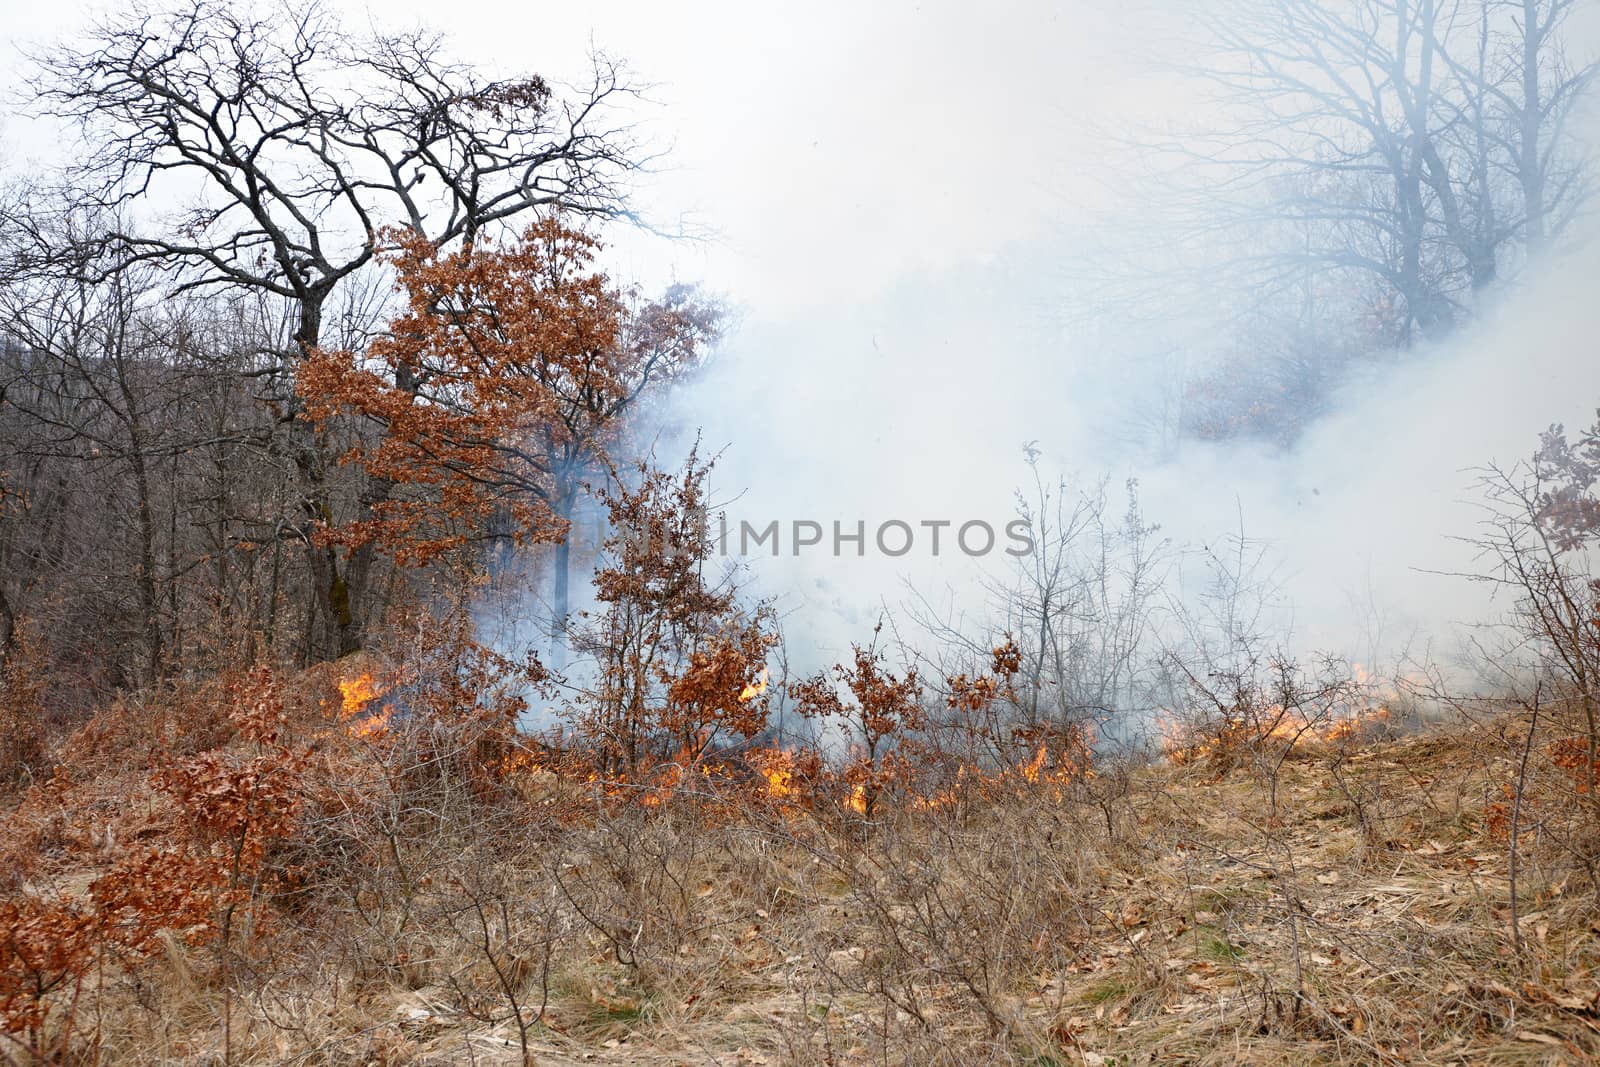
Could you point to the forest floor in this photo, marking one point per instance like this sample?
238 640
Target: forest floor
1219 930
1349 905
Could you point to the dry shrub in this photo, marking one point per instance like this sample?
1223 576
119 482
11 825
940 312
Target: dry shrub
670 643
225 810
388 870
444 884
50 944
22 713
945 922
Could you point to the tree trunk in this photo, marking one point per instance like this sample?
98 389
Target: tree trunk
1530 171
149 607
336 598
145 580
561 570
8 630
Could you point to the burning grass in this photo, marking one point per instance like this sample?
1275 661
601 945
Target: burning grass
442 891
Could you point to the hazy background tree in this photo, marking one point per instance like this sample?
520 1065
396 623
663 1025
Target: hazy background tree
1367 170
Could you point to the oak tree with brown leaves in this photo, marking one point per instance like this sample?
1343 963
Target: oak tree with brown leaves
880 711
673 646
509 379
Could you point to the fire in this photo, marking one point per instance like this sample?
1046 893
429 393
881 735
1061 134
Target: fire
945 798
667 782
777 767
1060 761
858 799
792 779
355 695
1030 772
1350 727
374 725
755 688
1184 743
788 778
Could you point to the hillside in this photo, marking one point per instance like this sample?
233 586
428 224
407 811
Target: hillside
401 892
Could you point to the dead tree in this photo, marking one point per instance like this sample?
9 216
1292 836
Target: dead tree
1411 145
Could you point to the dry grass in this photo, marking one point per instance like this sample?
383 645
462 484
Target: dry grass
1158 915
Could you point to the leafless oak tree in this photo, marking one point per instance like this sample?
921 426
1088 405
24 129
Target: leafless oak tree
1417 146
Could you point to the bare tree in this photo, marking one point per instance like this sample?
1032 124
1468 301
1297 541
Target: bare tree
1367 169
296 143
1081 606
89 392
1521 89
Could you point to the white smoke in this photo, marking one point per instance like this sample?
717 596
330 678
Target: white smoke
916 406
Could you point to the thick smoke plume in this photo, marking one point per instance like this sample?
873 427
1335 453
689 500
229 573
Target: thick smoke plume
935 393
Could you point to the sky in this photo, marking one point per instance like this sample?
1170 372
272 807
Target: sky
831 148
891 193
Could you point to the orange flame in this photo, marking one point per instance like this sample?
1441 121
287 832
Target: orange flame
355 694
858 799
777 767
667 783
1030 772
1184 743
754 689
